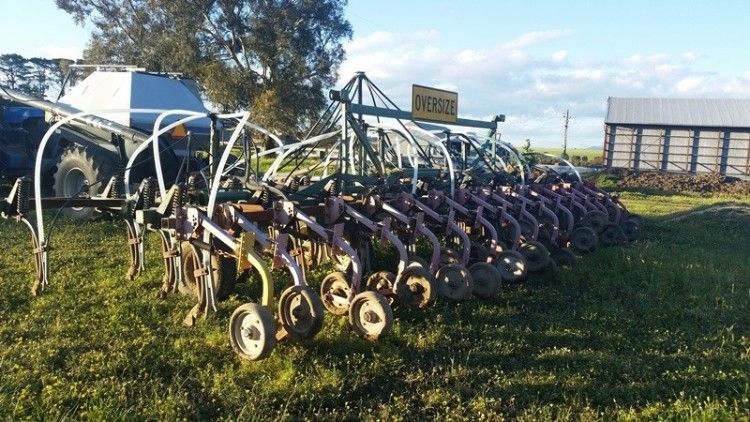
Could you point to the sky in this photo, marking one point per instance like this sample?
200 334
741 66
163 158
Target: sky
528 60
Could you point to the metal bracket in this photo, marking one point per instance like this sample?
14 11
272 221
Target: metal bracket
245 246
281 244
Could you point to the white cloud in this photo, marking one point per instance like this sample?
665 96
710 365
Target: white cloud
689 84
690 56
470 56
425 34
537 37
377 38
737 86
587 74
560 55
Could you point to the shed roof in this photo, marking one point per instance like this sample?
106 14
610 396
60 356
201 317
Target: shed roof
693 112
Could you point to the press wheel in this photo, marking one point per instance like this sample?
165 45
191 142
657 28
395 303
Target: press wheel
371 315
301 312
454 282
536 255
486 278
511 265
252 331
415 287
334 291
583 239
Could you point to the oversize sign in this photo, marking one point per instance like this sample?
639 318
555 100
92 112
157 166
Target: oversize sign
433 104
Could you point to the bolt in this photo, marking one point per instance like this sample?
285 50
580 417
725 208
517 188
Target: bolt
371 317
251 333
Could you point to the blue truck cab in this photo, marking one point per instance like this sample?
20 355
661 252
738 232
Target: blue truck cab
21 128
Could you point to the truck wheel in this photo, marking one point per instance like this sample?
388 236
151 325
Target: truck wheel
77 166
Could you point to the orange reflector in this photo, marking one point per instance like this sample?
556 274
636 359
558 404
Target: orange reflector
178 132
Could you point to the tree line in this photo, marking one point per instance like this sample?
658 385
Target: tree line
38 76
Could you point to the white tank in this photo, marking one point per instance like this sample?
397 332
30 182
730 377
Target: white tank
118 90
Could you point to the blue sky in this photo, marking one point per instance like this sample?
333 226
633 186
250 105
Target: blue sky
528 60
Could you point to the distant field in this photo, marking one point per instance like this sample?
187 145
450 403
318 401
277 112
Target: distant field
581 152
658 329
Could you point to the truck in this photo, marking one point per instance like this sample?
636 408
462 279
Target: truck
83 154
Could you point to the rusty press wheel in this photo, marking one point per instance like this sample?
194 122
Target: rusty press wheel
454 282
418 260
371 315
415 287
536 255
301 312
632 229
486 278
380 281
612 235
334 291
564 257
512 266
479 252
583 239
224 272
596 220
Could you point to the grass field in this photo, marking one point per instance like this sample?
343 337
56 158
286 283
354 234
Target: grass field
591 154
659 329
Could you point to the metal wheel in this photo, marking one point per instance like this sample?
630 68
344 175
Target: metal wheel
419 261
454 282
252 331
224 272
449 256
301 312
536 255
612 235
511 265
637 219
631 229
583 239
564 257
479 252
415 287
527 228
596 220
334 290
380 281
371 315
487 279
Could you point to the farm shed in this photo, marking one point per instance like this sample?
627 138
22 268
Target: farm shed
681 135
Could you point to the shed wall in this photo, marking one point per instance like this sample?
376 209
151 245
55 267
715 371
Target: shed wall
678 149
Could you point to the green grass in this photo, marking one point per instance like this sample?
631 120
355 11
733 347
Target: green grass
659 329
572 152
264 164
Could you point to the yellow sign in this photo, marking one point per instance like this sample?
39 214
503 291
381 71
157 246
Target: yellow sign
433 104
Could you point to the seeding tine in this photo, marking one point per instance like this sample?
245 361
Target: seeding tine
394 192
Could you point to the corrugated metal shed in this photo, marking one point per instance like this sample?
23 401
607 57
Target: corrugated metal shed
689 112
681 135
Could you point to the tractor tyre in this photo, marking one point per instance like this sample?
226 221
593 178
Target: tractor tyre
80 166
